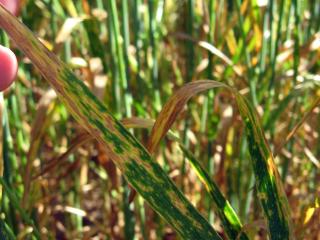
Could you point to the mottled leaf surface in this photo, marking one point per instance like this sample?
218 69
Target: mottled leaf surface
128 154
269 186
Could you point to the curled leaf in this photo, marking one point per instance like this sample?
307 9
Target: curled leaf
268 183
134 161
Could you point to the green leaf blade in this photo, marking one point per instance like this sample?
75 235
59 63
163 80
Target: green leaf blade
126 152
269 186
230 221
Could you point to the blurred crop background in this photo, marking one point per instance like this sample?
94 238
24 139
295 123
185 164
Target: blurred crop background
134 55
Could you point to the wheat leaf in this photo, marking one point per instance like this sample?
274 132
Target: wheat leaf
128 154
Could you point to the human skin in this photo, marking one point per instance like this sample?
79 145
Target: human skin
8 60
11 5
8 67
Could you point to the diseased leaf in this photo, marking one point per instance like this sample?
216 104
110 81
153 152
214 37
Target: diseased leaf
174 106
146 176
268 183
229 219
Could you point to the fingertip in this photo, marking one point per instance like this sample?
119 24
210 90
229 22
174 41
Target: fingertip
8 67
11 5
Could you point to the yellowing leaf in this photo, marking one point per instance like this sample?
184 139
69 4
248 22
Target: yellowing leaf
309 214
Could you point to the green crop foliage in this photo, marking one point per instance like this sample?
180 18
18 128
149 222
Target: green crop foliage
105 134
